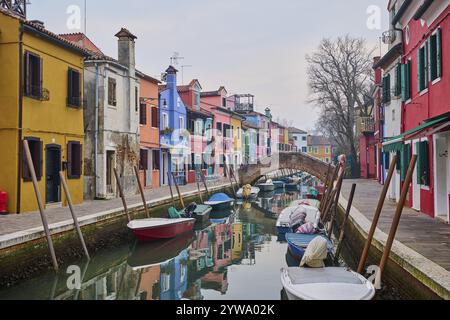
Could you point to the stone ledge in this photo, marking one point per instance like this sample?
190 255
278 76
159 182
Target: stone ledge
21 237
433 276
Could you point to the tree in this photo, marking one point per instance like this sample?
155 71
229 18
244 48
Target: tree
340 82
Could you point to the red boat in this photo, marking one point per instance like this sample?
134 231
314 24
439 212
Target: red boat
157 229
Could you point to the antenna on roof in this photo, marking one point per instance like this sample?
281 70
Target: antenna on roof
174 59
17 6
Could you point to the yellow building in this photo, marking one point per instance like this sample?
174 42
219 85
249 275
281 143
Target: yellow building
320 148
41 98
236 127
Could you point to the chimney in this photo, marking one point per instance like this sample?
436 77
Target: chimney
171 81
38 23
126 45
268 113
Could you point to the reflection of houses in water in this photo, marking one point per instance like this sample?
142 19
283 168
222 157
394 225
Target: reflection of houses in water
149 288
174 277
222 246
237 242
217 281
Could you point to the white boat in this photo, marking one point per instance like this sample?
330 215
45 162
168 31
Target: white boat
268 186
308 202
284 221
325 284
254 193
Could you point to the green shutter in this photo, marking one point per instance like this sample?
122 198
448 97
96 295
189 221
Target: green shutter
398 80
419 162
403 81
424 164
408 80
386 160
419 70
439 52
399 160
406 158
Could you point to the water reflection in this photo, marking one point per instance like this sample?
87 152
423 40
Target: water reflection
214 262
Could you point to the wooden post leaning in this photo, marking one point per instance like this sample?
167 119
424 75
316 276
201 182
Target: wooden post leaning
40 204
141 191
122 195
178 191
344 223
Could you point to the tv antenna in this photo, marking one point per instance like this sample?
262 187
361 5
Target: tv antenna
174 59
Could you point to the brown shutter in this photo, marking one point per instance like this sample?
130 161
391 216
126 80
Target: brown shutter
143 114
41 77
39 159
144 159
27 73
69 160
70 87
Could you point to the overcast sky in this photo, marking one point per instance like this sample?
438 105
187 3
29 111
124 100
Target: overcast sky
249 46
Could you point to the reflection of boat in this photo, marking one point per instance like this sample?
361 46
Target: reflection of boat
253 193
267 186
299 242
279 184
325 284
220 201
267 194
159 228
220 215
150 254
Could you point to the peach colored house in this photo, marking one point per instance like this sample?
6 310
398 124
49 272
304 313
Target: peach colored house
149 165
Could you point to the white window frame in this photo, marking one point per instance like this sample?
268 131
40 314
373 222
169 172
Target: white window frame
165 121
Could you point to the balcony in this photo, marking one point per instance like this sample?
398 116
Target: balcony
367 125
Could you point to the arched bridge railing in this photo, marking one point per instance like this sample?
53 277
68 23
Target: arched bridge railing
249 174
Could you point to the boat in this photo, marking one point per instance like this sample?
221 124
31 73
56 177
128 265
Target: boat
267 186
253 193
146 255
307 202
220 201
279 184
285 223
333 283
299 242
199 212
294 179
160 228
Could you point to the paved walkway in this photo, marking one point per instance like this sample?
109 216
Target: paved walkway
16 223
427 236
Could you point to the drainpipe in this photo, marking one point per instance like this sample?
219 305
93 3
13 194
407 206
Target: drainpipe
20 149
96 128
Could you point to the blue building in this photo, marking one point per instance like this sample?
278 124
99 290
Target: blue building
174 136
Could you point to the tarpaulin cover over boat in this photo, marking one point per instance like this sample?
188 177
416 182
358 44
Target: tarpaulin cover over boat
220 197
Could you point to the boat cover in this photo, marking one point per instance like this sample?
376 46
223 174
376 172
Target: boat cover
220 197
303 240
315 254
323 275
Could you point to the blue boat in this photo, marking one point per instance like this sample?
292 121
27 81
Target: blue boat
220 202
279 184
299 242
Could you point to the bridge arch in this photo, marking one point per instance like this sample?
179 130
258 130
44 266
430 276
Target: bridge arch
249 174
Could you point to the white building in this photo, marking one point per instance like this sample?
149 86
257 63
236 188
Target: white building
300 139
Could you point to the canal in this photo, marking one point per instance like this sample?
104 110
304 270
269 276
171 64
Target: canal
236 257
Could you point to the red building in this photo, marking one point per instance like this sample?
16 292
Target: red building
425 123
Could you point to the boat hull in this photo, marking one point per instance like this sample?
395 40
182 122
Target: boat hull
222 206
202 214
266 188
164 232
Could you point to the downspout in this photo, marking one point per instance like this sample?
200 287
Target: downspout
96 128
19 162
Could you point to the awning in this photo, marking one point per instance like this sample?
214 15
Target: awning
395 143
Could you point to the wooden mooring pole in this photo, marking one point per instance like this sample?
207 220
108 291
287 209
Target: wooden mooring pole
171 190
72 212
199 191
178 191
227 172
330 184
204 183
344 223
335 204
397 216
141 191
40 204
122 195
376 217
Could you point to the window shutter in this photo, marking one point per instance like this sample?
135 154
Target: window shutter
419 70
403 81
427 63
419 163
39 160
406 155
70 92
27 74
388 87
439 52
41 77
69 160
143 113
398 80
424 163
399 161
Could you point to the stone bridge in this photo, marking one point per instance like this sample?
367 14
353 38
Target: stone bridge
249 174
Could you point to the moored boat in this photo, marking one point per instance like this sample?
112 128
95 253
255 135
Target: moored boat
285 223
160 228
299 242
220 201
241 194
307 202
325 284
199 212
267 186
279 184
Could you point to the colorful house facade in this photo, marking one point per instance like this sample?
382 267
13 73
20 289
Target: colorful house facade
320 148
173 137
150 152
299 138
42 102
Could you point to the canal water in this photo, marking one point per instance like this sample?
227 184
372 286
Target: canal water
236 257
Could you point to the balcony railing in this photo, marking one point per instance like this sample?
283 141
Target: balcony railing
367 125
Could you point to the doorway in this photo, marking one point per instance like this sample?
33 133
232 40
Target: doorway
52 169
416 186
441 175
110 165
165 168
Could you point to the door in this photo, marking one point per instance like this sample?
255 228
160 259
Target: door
52 169
441 180
110 164
416 186
165 168
149 172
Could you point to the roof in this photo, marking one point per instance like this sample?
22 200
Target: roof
249 125
42 31
82 41
213 93
296 130
401 11
202 111
318 141
395 51
171 69
422 9
144 76
125 33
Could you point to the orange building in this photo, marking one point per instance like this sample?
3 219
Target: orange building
149 165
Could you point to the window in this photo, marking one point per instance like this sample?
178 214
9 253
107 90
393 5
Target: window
198 127
405 160
74 88
436 55
155 117
181 123
304 139
316 150
406 81
143 159
327 150
143 114
33 75
136 99
423 165
304 149
35 145
112 87
398 80
197 100
74 160
165 121
422 68
393 115
310 149
155 159
224 102
387 89
327 160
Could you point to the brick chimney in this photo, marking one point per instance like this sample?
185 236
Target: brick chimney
127 52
